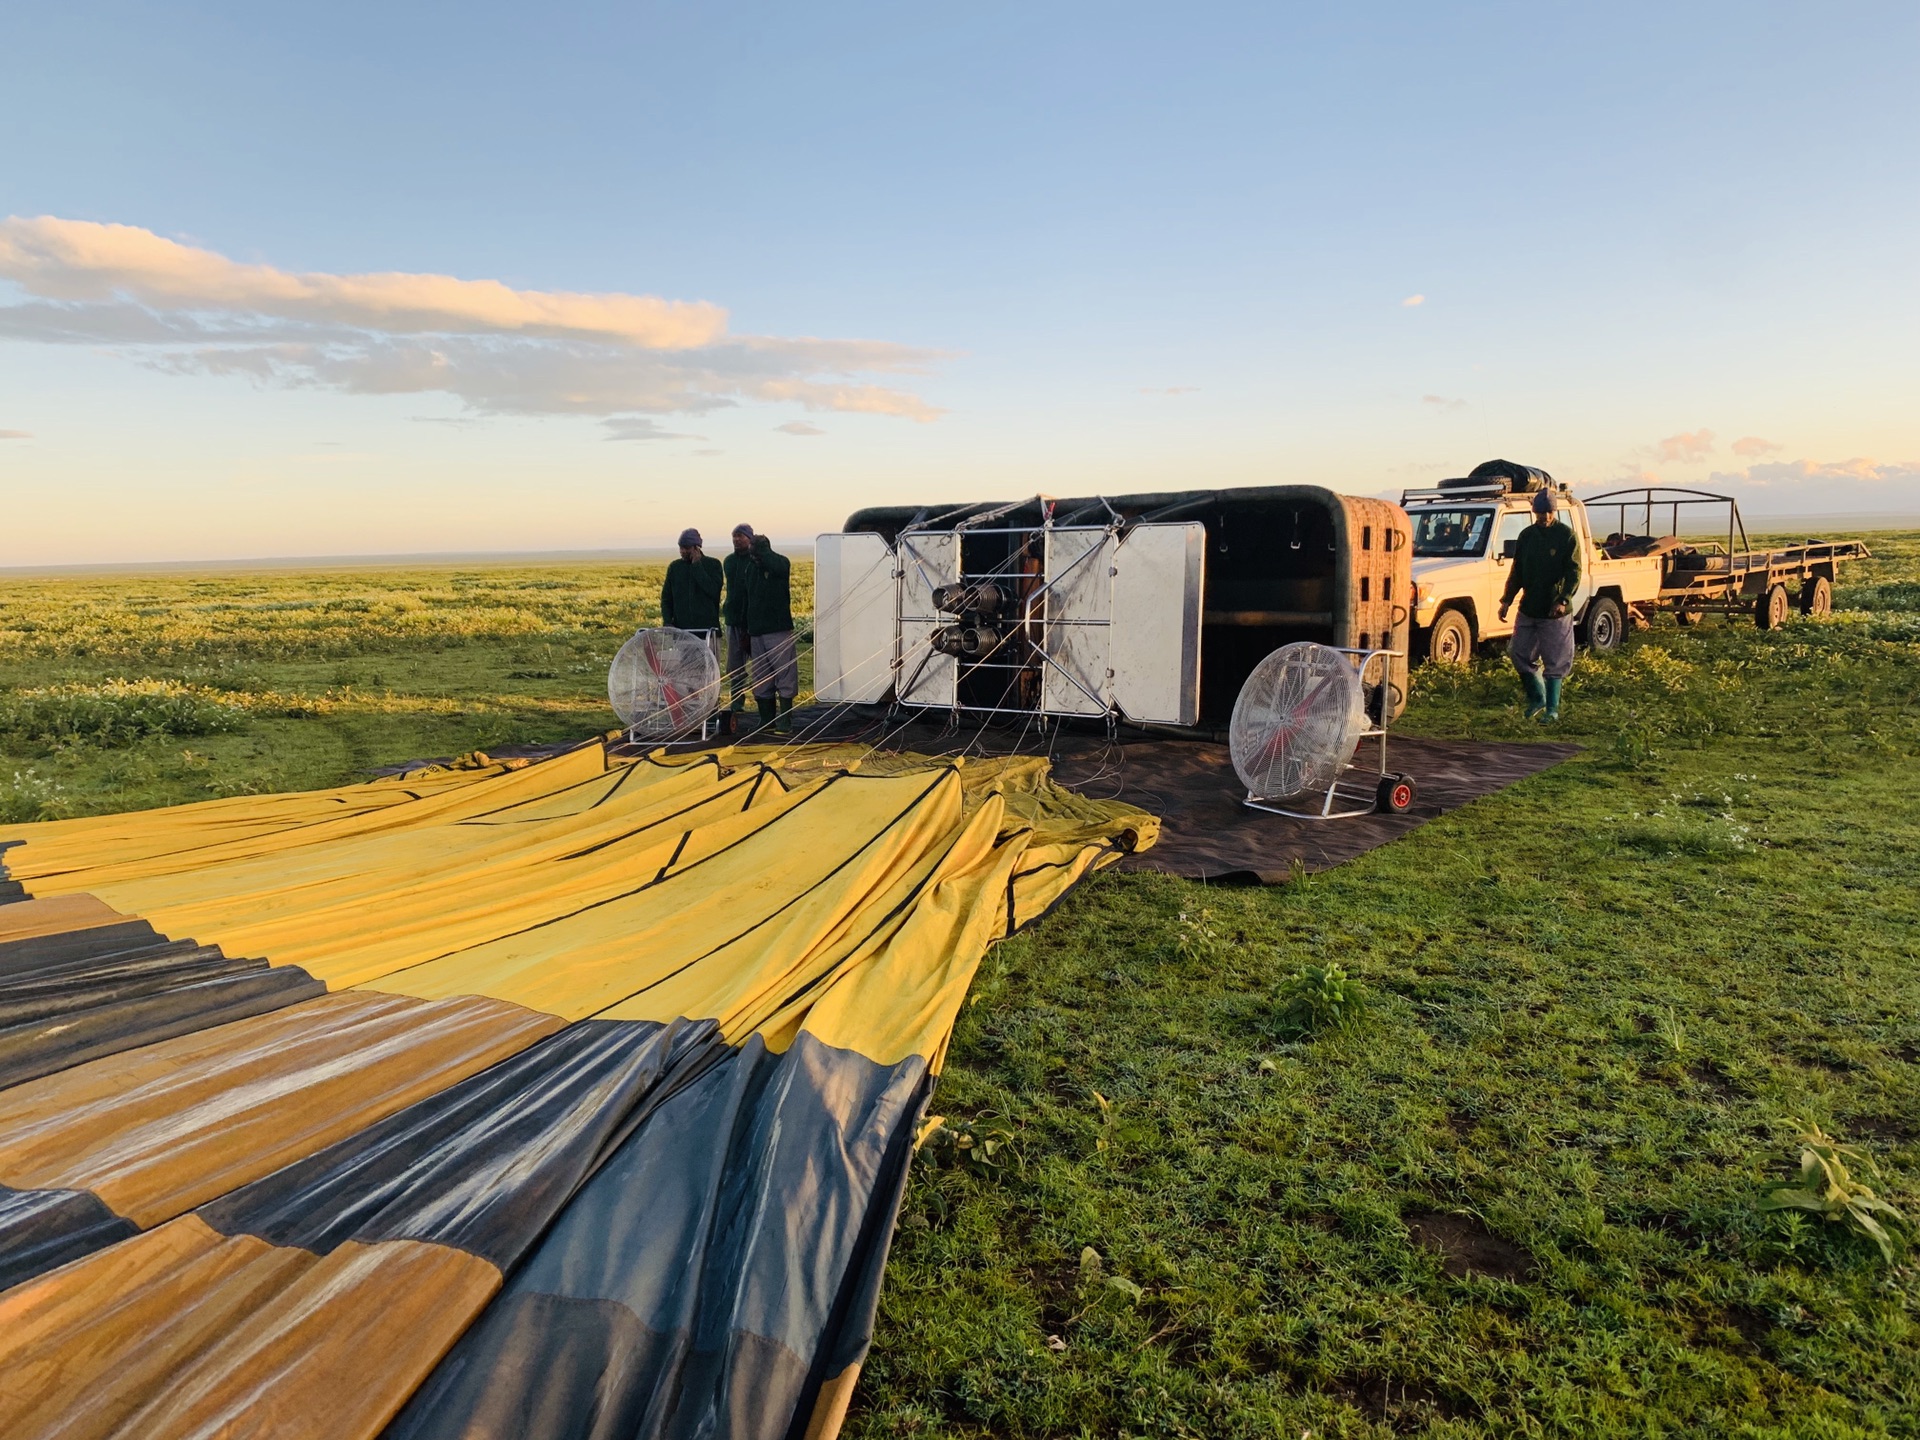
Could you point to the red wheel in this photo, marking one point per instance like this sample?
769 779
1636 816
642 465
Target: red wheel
1395 794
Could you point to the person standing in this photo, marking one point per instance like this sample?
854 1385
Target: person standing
738 567
1545 575
776 658
690 596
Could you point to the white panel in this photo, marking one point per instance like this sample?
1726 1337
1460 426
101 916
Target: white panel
1078 608
1158 587
855 618
925 561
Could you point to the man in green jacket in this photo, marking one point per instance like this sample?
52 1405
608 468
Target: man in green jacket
776 659
1545 575
690 598
739 569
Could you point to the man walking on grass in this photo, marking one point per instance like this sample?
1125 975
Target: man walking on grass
776 660
1545 575
738 567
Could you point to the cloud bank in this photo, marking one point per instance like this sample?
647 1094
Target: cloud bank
1791 474
500 350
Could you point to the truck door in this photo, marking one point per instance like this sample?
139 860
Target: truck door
1511 523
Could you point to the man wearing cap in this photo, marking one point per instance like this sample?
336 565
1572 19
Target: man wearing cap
690 598
776 659
1545 575
738 567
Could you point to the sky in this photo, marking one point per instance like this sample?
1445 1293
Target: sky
400 278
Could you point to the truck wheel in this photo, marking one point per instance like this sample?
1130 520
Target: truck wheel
1395 794
1816 596
1450 641
1770 610
1604 625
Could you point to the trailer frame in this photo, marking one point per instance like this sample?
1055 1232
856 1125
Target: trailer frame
1732 578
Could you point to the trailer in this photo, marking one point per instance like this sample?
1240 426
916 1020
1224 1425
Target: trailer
1702 576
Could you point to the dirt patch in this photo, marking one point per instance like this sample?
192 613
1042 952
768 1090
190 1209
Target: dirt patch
1754 1326
1824 1060
1057 1288
1467 1247
1401 1405
1888 1129
1709 1076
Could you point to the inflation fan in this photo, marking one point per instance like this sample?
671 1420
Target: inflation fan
664 683
1296 726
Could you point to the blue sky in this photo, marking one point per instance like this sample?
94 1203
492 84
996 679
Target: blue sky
942 252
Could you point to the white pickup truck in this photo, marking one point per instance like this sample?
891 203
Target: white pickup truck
1463 539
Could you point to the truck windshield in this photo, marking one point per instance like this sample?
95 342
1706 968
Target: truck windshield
1450 532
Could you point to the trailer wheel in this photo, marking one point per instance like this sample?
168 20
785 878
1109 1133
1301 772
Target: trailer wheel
1450 641
1686 619
1816 596
1770 610
1604 625
1395 795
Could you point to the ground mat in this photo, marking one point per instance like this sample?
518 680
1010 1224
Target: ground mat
571 1098
1206 833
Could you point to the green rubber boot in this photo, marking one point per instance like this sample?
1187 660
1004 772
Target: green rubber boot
1536 694
769 712
1554 682
784 724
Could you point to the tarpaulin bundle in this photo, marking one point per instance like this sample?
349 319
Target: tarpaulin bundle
574 1099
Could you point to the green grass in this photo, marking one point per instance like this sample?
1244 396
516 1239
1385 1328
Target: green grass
1522 1196
1515 1192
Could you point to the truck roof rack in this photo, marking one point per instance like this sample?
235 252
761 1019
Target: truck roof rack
1488 490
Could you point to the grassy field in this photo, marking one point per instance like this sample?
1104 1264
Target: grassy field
1518 1196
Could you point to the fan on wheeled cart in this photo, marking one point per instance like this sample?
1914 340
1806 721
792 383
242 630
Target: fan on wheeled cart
1296 726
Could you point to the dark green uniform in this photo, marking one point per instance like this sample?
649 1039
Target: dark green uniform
769 594
738 567
1546 569
690 598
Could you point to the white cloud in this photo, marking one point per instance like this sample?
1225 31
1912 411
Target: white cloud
80 260
16 434
640 427
1413 300
1752 447
1791 474
499 350
1686 448
1441 402
799 427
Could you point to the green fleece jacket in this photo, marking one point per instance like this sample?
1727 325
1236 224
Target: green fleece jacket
690 598
769 601
1546 569
739 570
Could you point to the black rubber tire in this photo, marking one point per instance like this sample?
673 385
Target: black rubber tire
1816 596
1686 619
1770 611
1395 794
1604 627
1450 641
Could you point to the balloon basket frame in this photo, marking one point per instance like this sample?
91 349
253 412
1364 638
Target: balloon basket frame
1356 788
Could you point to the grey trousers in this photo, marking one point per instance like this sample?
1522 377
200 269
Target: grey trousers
739 657
1545 644
776 666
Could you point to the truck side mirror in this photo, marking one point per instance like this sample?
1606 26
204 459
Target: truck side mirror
1508 550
